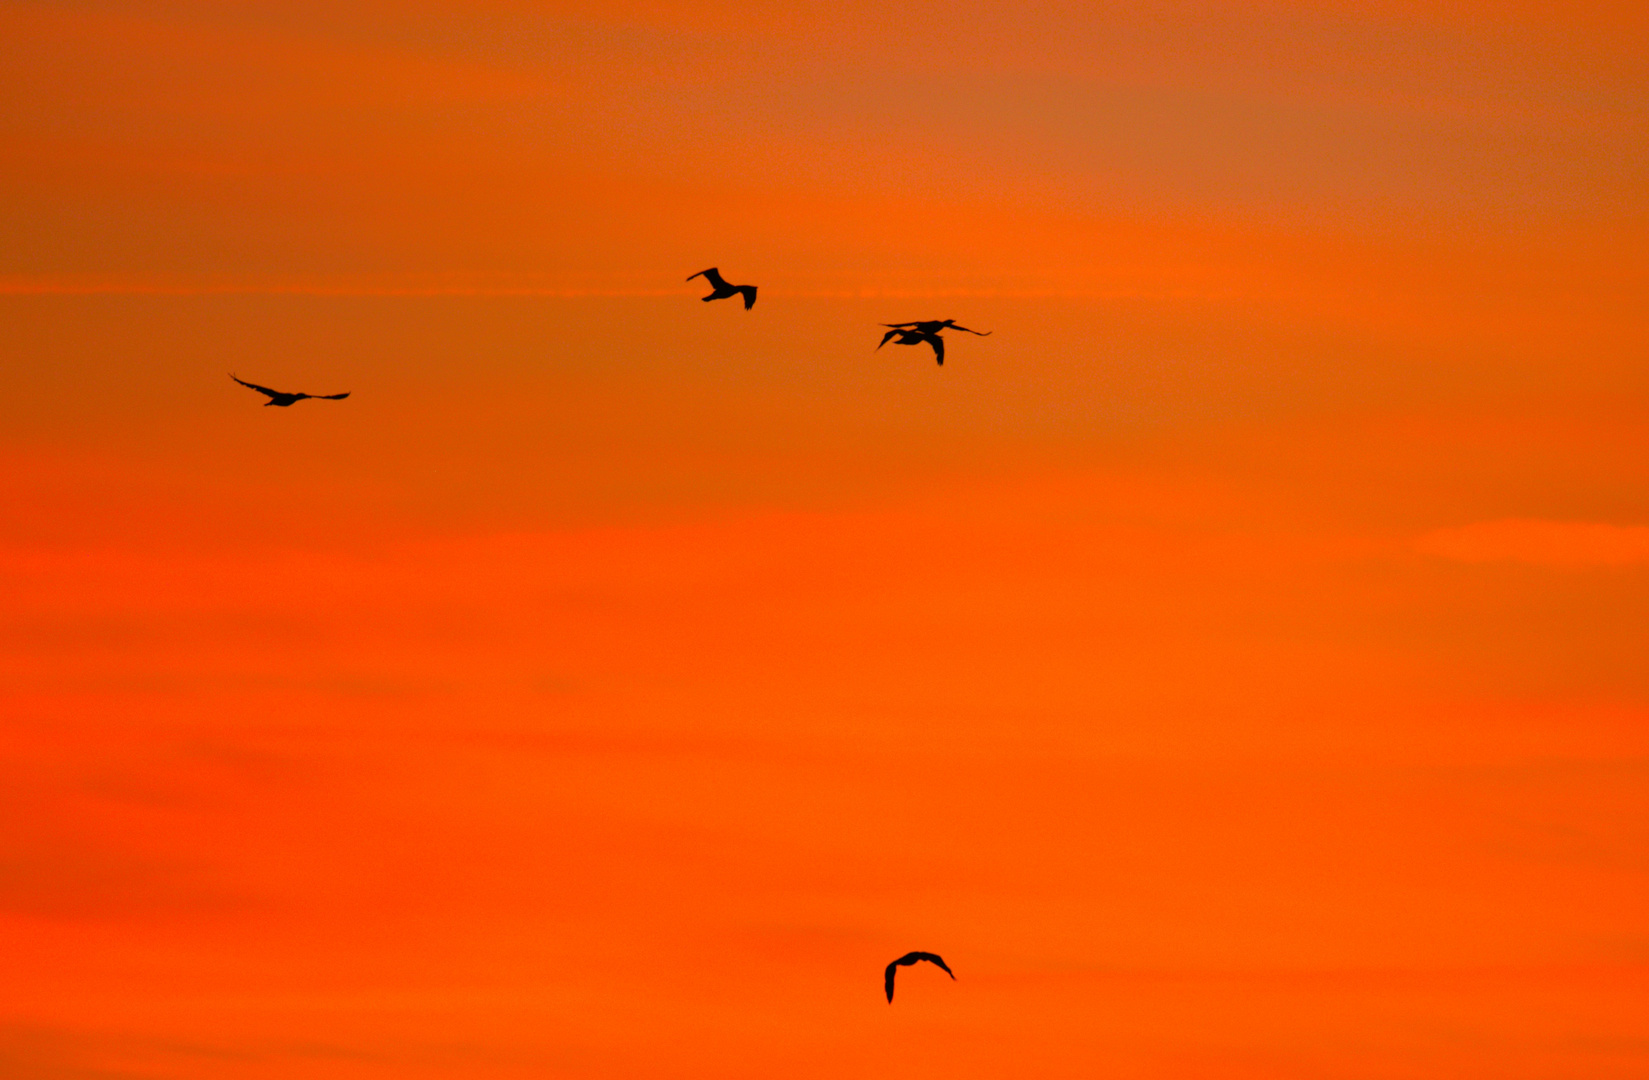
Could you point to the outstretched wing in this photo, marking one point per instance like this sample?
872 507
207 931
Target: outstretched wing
713 276
935 958
255 386
887 980
985 333
328 397
890 335
901 325
749 292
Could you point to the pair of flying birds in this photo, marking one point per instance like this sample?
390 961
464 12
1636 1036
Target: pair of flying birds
911 333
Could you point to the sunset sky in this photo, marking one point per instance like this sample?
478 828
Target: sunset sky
1236 665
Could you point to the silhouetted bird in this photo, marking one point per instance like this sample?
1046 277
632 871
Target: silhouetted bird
907 960
917 333
911 337
283 399
933 326
724 290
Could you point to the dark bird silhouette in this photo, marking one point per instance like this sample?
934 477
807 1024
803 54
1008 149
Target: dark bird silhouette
933 326
724 290
911 337
917 333
280 397
907 960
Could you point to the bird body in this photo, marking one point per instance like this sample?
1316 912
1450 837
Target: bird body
723 290
914 337
907 960
281 397
925 333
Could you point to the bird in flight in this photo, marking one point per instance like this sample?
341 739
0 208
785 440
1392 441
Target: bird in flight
907 960
280 397
917 333
724 290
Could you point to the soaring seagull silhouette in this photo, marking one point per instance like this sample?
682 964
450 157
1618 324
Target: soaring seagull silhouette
280 397
917 333
907 960
724 290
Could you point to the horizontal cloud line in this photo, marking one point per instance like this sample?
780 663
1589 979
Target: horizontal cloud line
19 286
102 288
1541 542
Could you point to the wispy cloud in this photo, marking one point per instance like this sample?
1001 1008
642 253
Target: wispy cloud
80 285
1546 543
93 286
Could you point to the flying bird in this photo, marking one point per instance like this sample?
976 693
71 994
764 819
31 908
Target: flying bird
911 337
724 290
281 397
918 333
933 326
907 960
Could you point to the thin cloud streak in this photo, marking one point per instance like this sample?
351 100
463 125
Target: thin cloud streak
50 287
1541 543
57 287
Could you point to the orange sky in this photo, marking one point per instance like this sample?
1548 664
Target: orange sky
1233 665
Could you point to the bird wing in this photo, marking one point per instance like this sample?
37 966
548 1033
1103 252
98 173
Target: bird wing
935 958
985 333
713 276
889 334
901 325
749 292
938 344
328 397
255 386
887 980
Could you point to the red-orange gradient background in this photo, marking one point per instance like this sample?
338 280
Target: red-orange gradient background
1236 666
